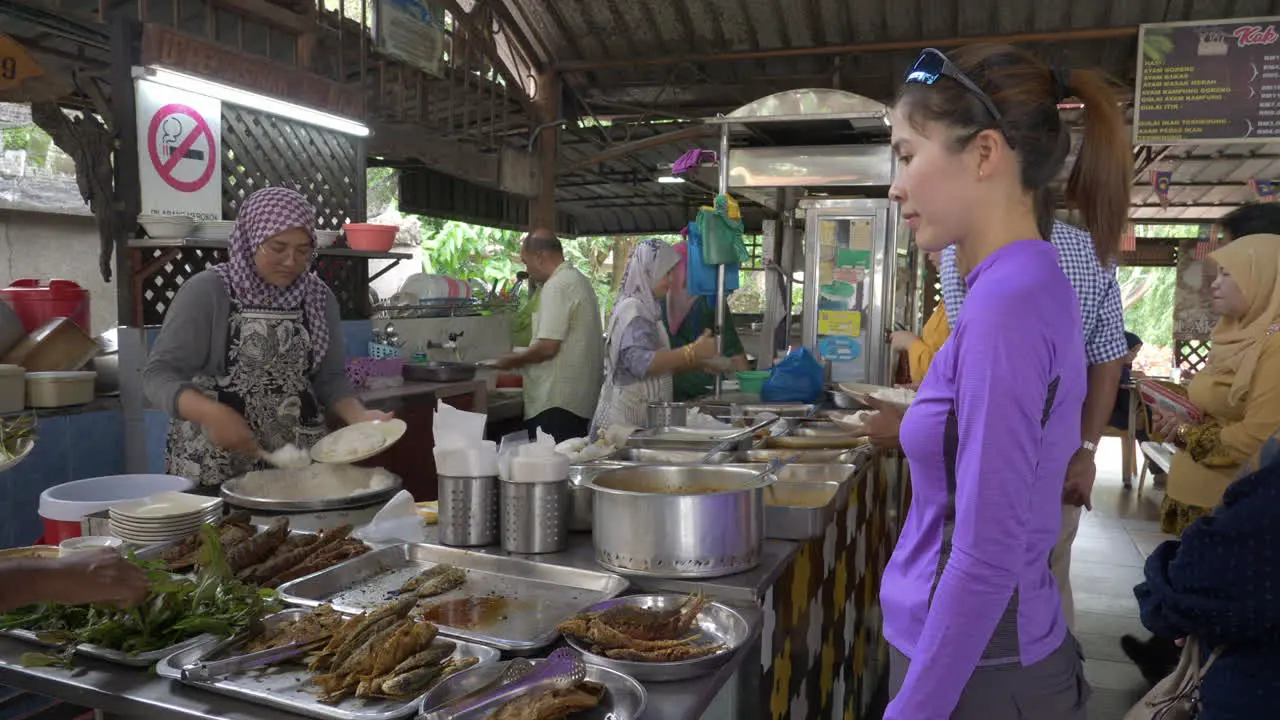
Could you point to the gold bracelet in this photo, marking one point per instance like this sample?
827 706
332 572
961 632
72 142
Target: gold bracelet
690 359
1180 435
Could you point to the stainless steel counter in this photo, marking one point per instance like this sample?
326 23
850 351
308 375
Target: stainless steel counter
126 692
132 693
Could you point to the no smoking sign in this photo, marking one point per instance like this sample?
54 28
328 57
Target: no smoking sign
182 147
179 151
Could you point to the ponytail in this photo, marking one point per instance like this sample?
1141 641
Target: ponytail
1100 178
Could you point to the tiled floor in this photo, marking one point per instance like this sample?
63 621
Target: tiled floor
1106 563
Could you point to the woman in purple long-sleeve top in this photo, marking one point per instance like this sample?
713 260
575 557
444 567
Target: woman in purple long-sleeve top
970 607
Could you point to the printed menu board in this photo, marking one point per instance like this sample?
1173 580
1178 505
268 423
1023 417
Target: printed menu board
1214 81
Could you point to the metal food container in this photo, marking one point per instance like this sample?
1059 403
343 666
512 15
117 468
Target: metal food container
468 514
805 499
668 414
650 456
691 521
836 456
535 517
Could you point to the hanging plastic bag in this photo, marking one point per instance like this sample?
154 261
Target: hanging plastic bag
703 277
722 242
799 378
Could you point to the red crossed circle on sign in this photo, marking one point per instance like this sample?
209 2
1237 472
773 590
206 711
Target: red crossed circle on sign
165 167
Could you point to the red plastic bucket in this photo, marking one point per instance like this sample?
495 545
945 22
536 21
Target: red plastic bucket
37 303
62 507
55 531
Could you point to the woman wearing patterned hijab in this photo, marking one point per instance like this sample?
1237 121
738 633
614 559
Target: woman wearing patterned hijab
639 361
251 355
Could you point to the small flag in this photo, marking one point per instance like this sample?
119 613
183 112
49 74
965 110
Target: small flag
1128 240
1204 243
1160 180
1264 189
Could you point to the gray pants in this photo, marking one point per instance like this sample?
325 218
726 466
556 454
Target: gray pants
1052 689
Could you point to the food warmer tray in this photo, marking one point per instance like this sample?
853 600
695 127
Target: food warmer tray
624 699
537 596
686 438
285 686
716 624
97 652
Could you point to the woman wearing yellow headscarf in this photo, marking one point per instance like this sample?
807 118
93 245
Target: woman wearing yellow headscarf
1238 392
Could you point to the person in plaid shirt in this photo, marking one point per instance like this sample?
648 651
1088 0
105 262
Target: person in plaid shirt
1102 315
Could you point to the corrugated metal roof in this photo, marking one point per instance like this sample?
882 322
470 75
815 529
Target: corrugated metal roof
1207 180
623 58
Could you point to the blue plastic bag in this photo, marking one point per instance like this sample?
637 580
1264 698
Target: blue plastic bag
799 378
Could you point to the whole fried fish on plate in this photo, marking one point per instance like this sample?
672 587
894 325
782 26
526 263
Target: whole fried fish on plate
553 704
641 634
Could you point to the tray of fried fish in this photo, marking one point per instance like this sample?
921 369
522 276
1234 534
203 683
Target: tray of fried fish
512 604
658 638
373 666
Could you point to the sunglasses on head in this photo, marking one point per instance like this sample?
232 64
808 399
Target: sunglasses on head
933 64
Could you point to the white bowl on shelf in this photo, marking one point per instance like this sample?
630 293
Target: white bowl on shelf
166 227
327 238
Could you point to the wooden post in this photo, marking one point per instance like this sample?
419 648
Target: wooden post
542 211
125 53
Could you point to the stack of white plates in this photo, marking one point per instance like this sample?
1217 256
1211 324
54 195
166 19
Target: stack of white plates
163 517
213 230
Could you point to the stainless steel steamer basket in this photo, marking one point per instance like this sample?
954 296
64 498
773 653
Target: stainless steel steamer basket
673 521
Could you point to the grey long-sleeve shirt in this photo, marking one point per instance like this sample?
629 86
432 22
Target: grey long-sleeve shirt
193 343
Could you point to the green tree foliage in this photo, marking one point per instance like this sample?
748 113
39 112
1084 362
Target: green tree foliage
1148 294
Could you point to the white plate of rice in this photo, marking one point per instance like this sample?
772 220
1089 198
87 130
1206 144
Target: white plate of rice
358 442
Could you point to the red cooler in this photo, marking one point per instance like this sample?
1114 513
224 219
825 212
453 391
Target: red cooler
37 304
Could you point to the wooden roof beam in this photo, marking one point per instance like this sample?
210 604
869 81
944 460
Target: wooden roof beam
623 149
1113 33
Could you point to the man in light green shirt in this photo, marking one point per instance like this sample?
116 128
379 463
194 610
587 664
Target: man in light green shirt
564 365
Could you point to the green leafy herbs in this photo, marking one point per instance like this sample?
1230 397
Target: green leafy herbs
175 610
16 436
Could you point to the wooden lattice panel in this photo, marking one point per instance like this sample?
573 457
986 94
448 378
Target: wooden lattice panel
348 278
262 150
164 270
1191 355
161 272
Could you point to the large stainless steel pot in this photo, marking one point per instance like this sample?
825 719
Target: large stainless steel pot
669 521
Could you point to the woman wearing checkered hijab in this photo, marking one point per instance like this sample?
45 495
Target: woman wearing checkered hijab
251 355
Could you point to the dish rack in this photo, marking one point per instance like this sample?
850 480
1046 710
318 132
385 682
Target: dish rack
375 373
444 307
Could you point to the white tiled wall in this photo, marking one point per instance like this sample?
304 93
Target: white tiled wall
483 338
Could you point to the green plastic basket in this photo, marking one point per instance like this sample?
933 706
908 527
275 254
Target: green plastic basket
752 381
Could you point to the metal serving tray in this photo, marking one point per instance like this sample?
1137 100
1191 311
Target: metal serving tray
539 596
141 660
286 686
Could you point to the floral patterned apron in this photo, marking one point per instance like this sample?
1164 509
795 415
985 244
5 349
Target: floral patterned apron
267 381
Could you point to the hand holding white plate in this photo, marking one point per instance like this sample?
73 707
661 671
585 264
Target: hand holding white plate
359 442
